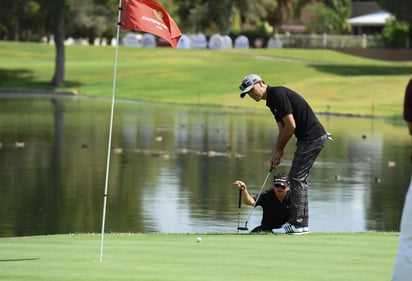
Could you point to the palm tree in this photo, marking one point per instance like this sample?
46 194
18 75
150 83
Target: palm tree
57 9
274 12
282 12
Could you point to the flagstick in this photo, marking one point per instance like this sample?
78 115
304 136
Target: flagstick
109 145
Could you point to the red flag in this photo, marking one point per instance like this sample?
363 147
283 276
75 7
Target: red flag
149 16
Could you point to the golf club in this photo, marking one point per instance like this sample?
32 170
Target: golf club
257 198
238 212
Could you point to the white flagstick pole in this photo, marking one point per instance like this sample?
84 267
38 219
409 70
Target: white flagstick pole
109 145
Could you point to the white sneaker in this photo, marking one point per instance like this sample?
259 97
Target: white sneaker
287 228
306 230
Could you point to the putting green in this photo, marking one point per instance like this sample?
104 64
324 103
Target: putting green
317 256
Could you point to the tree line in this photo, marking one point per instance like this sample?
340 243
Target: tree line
30 20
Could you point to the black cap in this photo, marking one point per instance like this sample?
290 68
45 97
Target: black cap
281 179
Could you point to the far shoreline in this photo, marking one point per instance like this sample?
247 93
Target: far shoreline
45 93
26 92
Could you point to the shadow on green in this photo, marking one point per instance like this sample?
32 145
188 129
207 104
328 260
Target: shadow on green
362 70
25 78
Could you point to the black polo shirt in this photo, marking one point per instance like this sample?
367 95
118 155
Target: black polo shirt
275 213
283 101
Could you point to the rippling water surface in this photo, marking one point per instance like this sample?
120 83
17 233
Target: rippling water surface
172 168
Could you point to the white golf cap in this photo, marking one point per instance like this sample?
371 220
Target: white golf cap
247 83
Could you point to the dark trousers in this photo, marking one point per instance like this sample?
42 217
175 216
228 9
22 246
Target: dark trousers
303 160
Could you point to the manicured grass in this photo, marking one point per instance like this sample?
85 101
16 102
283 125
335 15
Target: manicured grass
314 257
329 80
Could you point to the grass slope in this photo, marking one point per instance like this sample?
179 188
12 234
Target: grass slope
315 257
331 81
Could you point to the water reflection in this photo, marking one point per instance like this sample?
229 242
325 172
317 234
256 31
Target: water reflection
172 168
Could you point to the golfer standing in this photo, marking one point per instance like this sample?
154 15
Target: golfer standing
403 263
294 116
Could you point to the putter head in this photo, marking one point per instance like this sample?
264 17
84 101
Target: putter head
243 228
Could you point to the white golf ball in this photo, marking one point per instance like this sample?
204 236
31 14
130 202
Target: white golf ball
198 239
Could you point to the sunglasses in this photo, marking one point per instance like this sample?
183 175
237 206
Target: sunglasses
280 186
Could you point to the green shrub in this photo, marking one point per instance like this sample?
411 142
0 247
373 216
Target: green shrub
395 33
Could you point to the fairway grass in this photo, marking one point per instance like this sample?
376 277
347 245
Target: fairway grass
331 81
314 257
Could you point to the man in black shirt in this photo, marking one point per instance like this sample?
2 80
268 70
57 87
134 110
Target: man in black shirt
275 203
294 116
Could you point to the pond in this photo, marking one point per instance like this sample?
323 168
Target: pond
172 168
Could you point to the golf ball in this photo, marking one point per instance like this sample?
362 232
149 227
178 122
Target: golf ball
198 239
